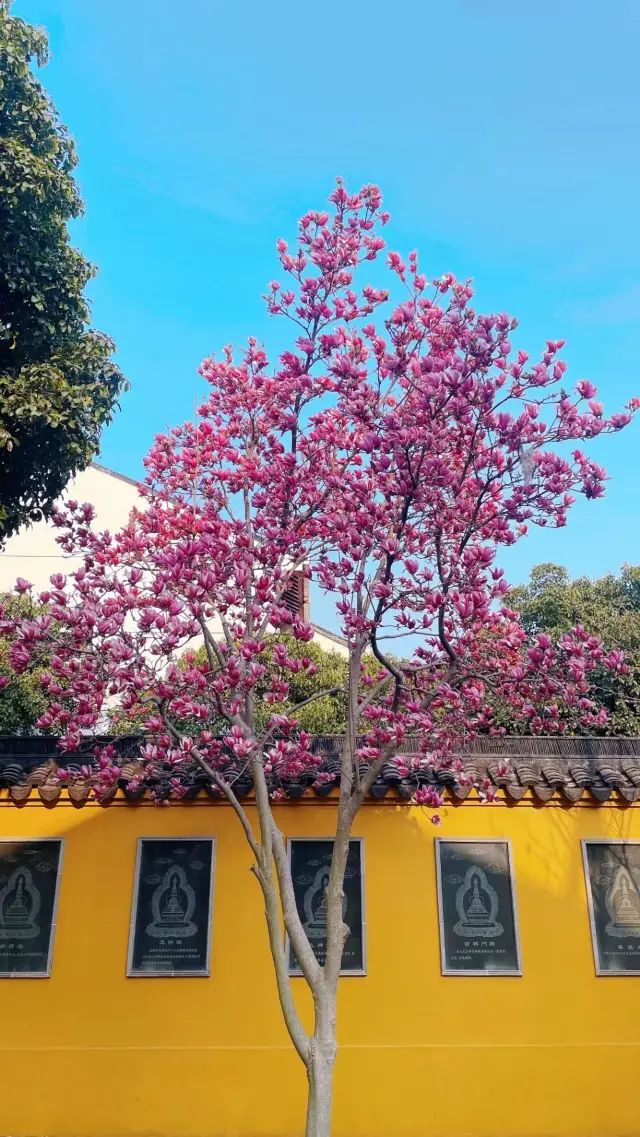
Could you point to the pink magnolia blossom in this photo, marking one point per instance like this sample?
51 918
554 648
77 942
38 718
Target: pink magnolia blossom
389 461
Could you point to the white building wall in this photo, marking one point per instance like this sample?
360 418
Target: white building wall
33 552
329 641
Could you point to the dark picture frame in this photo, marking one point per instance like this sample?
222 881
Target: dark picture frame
612 881
309 861
30 875
172 908
477 907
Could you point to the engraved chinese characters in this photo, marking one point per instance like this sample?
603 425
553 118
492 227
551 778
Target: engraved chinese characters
476 901
310 866
170 931
612 870
29 879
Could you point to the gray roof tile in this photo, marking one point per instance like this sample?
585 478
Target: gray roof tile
566 768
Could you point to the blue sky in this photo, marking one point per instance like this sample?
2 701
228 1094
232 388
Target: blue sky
504 137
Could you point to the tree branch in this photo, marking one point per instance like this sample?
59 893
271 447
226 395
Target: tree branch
397 675
443 637
308 963
373 694
222 785
226 789
262 870
294 1026
369 778
214 655
318 695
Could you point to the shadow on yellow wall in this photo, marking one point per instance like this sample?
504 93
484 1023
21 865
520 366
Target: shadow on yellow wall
91 1052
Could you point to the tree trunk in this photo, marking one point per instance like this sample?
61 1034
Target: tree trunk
320 1077
322 1044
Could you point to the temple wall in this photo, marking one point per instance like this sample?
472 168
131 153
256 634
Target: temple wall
91 1053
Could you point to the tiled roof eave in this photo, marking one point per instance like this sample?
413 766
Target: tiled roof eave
52 793
574 770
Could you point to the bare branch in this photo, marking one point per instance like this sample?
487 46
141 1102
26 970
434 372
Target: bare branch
397 675
222 785
296 1031
373 694
443 637
329 691
308 963
214 655
369 778
226 789
447 677
262 869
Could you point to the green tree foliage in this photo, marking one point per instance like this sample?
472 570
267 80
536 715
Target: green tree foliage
609 608
327 670
58 383
327 715
21 700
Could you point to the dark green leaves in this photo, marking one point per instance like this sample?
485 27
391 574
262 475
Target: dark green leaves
608 608
58 382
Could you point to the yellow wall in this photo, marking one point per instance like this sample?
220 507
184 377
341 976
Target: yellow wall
90 1052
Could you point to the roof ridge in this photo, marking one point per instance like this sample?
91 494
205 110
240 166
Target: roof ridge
331 635
114 474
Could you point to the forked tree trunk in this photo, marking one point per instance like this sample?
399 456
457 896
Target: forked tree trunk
318 1051
320 1070
322 1044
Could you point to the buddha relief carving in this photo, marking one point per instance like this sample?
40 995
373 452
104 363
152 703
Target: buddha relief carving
172 905
19 906
477 906
623 905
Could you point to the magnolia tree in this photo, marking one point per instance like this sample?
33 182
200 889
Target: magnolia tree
388 462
